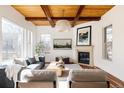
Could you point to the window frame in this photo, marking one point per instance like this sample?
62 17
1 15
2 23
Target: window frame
105 51
46 51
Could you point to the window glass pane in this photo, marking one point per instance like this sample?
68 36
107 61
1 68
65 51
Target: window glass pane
46 39
12 36
108 42
29 43
109 34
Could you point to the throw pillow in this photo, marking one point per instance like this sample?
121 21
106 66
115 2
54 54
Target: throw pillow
60 61
60 64
20 61
42 59
66 60
32 60
28 63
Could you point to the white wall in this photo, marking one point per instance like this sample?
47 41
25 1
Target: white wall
11 14
94 28
116 67
54 35
72 34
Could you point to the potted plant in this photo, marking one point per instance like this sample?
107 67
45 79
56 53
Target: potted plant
39 49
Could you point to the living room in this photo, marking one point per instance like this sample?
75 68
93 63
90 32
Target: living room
30 33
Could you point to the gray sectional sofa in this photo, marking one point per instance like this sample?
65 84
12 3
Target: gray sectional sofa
31 63
11 72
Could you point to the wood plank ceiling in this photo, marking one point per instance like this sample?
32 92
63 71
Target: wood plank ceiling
43 15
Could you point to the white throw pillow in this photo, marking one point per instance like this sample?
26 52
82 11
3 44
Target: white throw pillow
20 61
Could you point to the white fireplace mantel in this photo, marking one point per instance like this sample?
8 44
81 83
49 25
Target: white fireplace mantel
86 49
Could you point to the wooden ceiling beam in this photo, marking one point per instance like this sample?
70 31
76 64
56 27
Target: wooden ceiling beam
62 18
78 14
48 14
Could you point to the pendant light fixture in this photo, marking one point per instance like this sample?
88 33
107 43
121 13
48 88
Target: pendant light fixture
63 25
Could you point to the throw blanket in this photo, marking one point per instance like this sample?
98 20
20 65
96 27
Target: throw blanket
13 72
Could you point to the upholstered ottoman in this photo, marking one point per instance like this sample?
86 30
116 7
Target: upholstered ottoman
54 67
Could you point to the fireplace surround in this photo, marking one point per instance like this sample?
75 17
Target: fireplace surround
86 52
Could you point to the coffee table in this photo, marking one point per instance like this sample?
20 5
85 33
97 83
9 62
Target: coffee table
53 66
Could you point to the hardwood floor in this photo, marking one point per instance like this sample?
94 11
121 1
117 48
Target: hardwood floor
114 82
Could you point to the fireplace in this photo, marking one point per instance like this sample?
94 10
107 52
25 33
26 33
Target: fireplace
84 57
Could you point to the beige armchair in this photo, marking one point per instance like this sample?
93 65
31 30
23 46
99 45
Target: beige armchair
87 78
39 79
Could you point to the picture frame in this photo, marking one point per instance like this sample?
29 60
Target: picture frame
64 44
84 36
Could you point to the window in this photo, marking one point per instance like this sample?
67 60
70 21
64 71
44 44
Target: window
27 40
29 43
16 41
108 42
46 40
12 40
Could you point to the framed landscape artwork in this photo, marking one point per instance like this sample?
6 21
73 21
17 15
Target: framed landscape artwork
84 36
62 43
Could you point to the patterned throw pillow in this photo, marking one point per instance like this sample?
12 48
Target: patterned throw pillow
60 64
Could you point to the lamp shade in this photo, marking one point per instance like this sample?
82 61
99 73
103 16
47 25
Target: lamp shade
63 25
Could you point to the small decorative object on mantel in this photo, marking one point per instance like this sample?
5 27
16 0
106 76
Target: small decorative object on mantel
84 36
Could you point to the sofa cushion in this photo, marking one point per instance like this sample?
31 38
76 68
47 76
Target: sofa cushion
41 75
35 66
87 75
